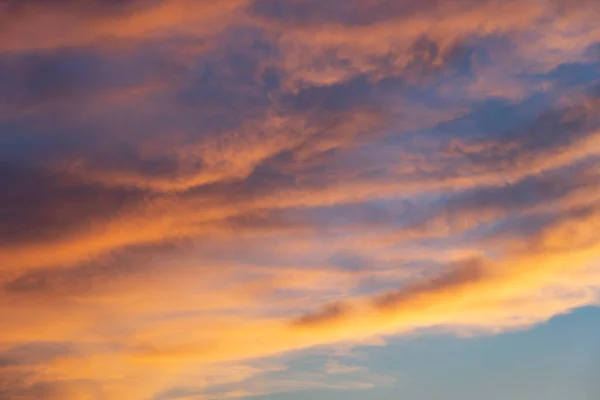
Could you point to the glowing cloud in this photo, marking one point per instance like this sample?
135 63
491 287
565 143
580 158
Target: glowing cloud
191 190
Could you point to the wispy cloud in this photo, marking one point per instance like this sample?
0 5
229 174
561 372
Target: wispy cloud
189 187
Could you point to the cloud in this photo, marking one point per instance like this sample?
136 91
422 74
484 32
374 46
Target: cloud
34 353
334 367
96 21
190 187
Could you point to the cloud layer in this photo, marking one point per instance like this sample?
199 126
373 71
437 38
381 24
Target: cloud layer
193 189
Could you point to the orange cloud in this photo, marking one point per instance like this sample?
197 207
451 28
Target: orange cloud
95 22
190 187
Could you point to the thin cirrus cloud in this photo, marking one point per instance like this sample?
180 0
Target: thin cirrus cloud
194 189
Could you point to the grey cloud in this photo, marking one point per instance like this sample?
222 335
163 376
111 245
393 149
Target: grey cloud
349 12
330 312
454 278
231 84
38 204
35 353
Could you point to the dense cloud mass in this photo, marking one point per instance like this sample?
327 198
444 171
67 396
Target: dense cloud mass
193 188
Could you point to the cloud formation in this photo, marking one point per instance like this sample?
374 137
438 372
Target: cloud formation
192 189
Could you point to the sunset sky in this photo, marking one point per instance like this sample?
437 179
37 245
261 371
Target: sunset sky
299 199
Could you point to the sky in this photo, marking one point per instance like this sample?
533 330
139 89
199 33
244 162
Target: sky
299 199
